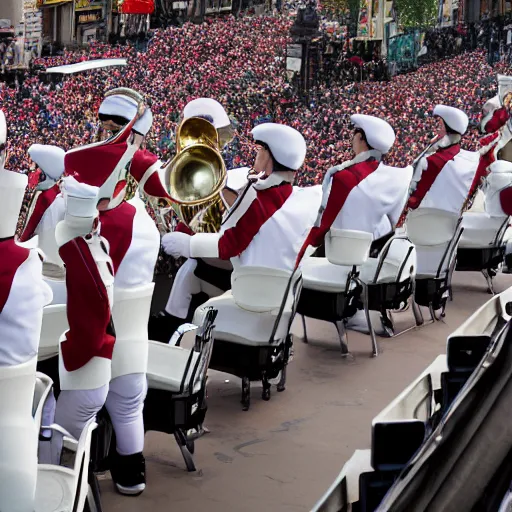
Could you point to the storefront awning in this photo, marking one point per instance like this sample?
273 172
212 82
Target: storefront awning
79 67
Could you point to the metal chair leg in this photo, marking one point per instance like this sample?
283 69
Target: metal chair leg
375 345
181 439
305 339
342 334
490 284
418 315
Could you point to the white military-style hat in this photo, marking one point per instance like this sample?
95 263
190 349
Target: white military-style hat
207 107
454 118
12 192
286 144
50 159
379 133
119 105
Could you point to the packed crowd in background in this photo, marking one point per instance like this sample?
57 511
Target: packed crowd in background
241 63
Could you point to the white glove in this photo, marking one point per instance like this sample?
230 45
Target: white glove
176 245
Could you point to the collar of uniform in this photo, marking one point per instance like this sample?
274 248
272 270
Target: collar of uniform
446 141
275 179
47 184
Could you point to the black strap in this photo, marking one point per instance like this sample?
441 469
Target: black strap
218 277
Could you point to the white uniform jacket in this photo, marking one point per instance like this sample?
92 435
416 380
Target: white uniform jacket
265 227
362 194
23 294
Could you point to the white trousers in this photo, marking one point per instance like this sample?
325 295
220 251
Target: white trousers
186 284
124 400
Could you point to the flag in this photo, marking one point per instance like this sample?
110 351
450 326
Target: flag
137 7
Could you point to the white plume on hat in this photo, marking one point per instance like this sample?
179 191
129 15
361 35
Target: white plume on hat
207 107
119 105
286 144
454 118
49 158
379 133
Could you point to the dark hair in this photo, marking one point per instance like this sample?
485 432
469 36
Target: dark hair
119 120
277 167
449 130
363 136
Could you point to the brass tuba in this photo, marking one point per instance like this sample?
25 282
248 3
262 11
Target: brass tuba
196 176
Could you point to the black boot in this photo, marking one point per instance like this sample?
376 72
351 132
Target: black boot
129 473
162 326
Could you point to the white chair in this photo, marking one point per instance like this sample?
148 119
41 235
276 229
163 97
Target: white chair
482 245
18 437
63 489
55 323
329 284
252 329
389 283
401 427
176 399
435 234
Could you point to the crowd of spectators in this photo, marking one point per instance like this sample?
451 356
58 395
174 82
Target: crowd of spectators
241 63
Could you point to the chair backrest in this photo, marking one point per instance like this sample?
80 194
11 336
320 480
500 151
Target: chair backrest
131 311
17 384
468 343
55 323
399 429
259 289
347 247
431 226
42 390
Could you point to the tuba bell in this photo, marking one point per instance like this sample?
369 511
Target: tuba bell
196 176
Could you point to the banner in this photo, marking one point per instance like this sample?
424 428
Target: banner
88 5
137 6
363 26
43 3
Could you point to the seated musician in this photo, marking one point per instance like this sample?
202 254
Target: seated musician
443 176
23 294
361 194
45 210
271 213
200 278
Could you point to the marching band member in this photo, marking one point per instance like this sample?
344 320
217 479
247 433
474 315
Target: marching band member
210 276
362 194
367 192
23 294
134 243
115 112
46 209
270 212
86 347
443 176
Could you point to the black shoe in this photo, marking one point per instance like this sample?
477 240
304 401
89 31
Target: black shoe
129 473
162 326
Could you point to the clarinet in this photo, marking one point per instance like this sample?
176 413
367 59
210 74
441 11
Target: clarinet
403 216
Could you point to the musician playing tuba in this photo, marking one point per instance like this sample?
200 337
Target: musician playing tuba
207 276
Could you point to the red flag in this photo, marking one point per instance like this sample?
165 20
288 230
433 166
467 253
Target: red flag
137 7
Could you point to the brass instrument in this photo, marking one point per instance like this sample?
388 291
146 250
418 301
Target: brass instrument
196 176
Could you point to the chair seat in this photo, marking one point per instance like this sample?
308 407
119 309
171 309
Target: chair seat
321 275
480 230
392 264
238 325
55 489
167 366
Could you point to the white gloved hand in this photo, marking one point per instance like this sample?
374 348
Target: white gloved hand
176 245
